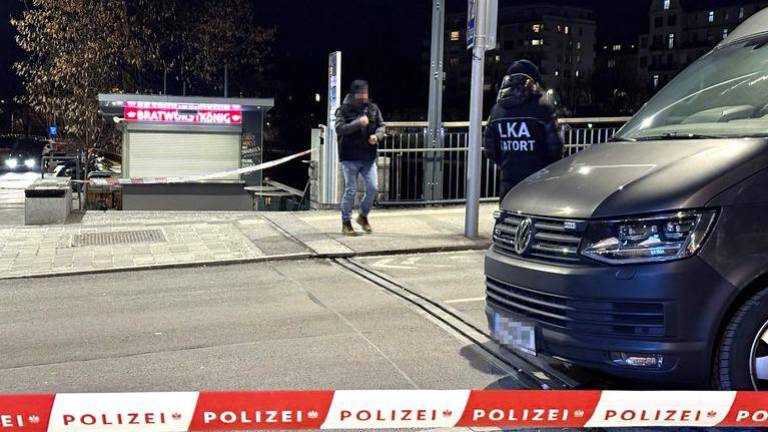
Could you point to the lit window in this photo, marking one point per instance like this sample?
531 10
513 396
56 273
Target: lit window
711 16
536 28
537 42
578 45
725 33
667 4
741 12
567 30
578 73
557 73
611 63
455 36
498 58
487 87
671 40
617 47
655 81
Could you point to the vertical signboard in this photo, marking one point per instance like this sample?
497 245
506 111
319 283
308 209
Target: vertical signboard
491 23
330 156
471 23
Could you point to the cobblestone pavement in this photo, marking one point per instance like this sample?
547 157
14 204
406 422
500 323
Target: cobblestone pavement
197 238
32 251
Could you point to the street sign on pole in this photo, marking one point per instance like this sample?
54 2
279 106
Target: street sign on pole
330 194
471 23
474 169
491 17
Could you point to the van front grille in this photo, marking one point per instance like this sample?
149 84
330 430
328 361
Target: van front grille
579 315
553 239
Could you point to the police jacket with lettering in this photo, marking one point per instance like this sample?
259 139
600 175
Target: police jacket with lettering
352 135
521 136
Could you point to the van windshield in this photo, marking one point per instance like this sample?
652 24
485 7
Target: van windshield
723 94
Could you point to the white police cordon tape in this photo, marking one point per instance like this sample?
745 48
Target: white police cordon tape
195 178
379 409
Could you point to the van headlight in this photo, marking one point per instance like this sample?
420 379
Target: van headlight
655 238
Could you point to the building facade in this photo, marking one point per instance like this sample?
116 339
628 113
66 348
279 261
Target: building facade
560 39
680 31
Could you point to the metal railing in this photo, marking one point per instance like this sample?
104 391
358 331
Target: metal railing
417 173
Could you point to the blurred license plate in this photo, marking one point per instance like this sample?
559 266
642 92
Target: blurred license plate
513 333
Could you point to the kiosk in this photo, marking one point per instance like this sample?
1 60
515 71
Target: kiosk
182 137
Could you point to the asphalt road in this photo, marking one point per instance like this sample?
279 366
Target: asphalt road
455 279
12 185
280 325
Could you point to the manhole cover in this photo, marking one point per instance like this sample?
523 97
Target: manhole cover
119 237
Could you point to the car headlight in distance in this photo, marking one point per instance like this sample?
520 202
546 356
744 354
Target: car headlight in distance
30 163
655 238
11 163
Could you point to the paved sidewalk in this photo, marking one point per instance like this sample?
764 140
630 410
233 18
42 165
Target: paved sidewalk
207 238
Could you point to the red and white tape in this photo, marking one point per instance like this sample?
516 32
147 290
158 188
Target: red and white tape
378 409
111 181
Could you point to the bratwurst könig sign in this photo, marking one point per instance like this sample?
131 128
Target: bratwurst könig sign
185 113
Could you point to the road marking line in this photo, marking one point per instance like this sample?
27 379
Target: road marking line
385 263
465 300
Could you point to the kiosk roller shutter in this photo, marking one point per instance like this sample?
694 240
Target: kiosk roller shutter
168 154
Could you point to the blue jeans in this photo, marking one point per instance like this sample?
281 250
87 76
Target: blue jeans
352 169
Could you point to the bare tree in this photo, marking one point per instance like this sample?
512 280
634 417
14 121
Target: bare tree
76 49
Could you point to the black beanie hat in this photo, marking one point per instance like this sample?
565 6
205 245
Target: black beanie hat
525 67
358 85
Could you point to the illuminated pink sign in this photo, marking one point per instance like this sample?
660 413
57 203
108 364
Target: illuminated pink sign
187 113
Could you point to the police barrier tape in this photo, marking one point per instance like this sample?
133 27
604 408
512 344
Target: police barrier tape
378 409
196 178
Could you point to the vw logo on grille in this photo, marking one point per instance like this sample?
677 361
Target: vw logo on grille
523 236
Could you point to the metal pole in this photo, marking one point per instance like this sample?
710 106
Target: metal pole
433 173
475 125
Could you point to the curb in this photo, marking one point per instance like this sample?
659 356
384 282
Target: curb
424 250
286 257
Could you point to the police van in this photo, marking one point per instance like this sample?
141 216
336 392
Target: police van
647 257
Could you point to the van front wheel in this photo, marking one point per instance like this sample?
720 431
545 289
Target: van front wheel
741 361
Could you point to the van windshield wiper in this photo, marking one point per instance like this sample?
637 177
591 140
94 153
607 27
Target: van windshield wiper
676 136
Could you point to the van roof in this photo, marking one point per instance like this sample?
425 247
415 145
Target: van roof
754 25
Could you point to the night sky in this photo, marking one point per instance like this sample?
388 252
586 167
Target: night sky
382 40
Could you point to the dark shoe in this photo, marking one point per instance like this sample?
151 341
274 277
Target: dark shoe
363 222
346 229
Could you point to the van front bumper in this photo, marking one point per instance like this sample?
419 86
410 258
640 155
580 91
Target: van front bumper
582 314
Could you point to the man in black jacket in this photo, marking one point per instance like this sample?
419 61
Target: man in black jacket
522 137
360 127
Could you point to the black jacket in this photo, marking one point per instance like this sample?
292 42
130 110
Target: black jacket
353 137
522 137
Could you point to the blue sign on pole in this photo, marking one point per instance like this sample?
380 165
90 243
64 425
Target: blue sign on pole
52 131
471 23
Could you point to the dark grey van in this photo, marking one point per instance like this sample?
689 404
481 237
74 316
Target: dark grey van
647 258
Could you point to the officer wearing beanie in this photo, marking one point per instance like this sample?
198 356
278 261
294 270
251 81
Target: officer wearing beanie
522 137
360 128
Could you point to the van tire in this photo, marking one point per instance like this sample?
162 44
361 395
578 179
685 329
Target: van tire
732 359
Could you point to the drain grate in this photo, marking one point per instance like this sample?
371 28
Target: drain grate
119 237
